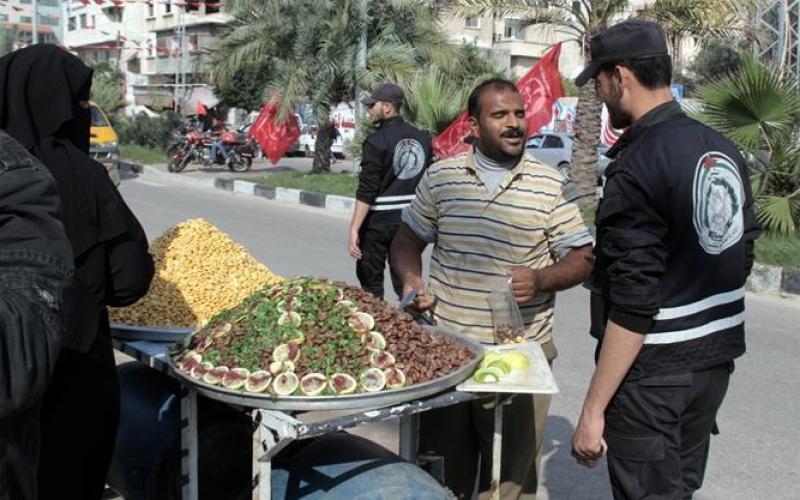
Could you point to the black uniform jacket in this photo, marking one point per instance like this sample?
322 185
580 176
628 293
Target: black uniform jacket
675 233
393 159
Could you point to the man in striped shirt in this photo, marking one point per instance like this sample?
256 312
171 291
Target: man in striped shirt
497 218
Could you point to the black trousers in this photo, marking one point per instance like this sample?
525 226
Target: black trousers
658 431
375 241
80 414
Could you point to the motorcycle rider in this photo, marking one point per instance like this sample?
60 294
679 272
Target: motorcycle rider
217 146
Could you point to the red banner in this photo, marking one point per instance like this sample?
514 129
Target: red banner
540 87
275 138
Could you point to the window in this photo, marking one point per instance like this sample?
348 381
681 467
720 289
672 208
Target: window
49 3
73 23
3 18
94 22
194 42
534 142
82 18
49 20
115 15
98 119
24 1
553 142
151 10
25 19
514 29
161 47
472 22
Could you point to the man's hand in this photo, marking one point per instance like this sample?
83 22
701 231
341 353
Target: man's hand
524 282
352 245
588 444
423 300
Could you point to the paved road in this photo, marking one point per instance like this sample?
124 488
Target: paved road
754 458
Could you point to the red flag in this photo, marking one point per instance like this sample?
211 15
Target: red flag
540 87
275 138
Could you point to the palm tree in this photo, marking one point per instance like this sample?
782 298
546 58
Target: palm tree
310 48
759 108
585 18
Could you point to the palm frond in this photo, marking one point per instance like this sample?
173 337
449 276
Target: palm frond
780 213
751 105
700 18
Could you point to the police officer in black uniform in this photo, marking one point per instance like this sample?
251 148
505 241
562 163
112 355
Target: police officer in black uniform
393 159
675 233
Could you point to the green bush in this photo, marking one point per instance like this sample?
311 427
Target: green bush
142 130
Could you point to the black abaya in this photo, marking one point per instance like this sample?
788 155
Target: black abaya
42 89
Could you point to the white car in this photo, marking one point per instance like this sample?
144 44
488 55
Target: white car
552 149
556 150
308 138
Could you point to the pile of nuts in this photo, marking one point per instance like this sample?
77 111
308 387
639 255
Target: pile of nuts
507 334
422 354
200 271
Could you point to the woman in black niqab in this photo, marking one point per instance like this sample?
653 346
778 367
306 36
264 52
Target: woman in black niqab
44 94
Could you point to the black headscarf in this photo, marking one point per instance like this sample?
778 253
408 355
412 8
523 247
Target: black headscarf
41 88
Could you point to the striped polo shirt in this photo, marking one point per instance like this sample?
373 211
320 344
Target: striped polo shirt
478 235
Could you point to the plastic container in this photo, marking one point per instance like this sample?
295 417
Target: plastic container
506 317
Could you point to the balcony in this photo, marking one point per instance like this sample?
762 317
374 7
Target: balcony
521 48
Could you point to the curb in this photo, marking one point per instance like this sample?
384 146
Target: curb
329 202
774 279
763 279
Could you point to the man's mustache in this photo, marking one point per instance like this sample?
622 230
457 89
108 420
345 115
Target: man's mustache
513 133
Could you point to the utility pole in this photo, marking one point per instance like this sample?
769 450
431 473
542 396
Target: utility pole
180 75
35 9
361 66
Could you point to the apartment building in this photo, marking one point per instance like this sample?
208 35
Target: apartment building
511 44
155 43
16 18
517 47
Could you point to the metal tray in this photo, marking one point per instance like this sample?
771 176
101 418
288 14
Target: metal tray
149 333
361 401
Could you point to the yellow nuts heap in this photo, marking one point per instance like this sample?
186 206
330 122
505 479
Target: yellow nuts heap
200 272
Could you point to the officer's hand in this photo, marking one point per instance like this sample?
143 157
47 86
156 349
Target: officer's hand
588 444
524 283
352 245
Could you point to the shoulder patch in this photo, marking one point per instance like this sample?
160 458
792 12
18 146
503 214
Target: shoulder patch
409 159
718 197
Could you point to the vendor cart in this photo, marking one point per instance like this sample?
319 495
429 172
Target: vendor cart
275 420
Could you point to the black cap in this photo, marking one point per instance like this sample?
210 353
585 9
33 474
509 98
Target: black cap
634 39
386 92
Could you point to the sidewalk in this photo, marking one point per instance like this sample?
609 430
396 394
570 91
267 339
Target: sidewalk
219 177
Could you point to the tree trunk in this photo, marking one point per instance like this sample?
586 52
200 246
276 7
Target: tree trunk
322 148
584 148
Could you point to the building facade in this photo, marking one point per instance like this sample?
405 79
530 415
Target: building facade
16 18
155 44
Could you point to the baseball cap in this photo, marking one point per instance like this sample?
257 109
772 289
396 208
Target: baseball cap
386 92
634 39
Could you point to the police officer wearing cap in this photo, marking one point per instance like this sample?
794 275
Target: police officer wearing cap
675 234
393 159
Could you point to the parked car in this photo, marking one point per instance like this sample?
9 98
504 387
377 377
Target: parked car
602 160
556 150
552 149
104 142
308 138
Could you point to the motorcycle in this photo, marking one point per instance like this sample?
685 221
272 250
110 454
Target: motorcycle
192 145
